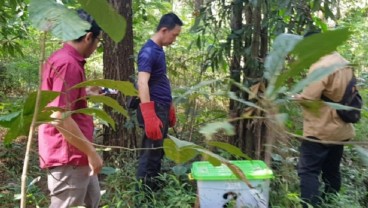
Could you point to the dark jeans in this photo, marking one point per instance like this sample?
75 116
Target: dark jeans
150 160
314 159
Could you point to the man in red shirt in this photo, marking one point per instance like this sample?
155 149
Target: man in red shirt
65 145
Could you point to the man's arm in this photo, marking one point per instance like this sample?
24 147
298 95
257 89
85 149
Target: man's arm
143 88
74 136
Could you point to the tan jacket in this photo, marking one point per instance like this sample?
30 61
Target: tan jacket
326 124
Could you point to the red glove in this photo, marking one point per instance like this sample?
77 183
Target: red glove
172 116
152 124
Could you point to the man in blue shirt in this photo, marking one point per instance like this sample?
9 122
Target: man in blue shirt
154 89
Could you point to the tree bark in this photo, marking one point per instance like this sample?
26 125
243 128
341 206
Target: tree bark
118 59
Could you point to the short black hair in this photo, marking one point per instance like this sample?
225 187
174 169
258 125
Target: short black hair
95 29
169 21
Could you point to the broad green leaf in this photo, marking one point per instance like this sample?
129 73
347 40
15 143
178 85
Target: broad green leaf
194 89
98 113
106 17
20 124
125 87
316 75
19 127
108 170
275 61
179 170
363 154
46 97
237 172
49 16
211 128
7 120
311 105
211 157
310 50
179 151
44 117
339 106
233 96
109 102
281 117
182 151
229 148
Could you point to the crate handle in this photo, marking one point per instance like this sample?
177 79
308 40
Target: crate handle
190 177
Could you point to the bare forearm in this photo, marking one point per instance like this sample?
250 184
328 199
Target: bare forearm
143 87
144 93
72 134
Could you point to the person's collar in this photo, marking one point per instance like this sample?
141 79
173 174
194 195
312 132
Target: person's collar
72 51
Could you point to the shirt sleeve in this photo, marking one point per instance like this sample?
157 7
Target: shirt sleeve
62 79
145 60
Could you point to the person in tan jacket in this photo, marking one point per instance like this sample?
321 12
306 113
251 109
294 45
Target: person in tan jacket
324 125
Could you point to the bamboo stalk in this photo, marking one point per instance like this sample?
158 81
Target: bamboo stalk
23 201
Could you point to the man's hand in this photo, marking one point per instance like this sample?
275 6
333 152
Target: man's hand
152 124
94 90
95 162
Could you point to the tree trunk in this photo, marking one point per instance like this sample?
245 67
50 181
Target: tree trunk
118 59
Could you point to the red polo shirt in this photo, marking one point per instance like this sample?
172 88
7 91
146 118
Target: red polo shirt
64 69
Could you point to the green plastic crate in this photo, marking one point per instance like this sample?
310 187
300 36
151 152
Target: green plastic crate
252 169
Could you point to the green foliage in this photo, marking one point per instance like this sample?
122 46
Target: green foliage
108 101
211 128
13 28
125 87
11 164
120 189
306 53
19 122
106 17
99 113
229 149
63 23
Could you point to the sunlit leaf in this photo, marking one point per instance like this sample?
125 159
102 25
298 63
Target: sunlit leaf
312 106
125 87
229 148
339 106
363 154
106 17
316 75
179 151
310 50
109 102
195 88
47 15
275 61
179 170
7 120
30 103
233 96
98 113
281 117
19 127
108 170
211 128
34 181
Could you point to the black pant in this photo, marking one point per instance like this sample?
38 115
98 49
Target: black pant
314 159
150 160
